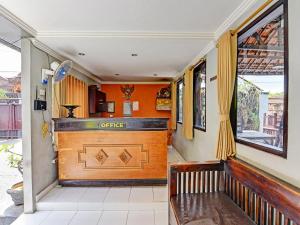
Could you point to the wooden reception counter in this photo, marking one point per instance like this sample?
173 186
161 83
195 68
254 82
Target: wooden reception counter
111 151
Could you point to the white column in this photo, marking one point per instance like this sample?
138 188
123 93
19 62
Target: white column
26 79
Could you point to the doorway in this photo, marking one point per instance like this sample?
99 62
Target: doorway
11 191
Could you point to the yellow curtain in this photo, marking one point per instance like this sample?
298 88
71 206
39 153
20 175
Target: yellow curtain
70 91
188 131
174 106
55 100
227 56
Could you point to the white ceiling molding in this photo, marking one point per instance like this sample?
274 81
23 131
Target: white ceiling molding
54 54
234 16
135 82
228 22
203 52
20 23
98 34
210 36
31 31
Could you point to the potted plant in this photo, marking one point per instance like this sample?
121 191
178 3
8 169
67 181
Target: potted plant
15 160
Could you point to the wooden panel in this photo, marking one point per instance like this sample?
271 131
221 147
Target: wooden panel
92 155
101 156
73 91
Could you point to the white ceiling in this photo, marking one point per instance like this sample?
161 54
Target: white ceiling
166 34
10 34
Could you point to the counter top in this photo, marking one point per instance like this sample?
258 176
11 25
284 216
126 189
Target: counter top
121 124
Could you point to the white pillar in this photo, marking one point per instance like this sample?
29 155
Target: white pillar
26 79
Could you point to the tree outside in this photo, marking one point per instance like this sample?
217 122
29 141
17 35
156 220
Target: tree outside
248 106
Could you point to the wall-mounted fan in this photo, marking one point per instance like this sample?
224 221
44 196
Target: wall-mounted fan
58 71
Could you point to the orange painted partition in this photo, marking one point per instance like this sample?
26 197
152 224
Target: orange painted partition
145 94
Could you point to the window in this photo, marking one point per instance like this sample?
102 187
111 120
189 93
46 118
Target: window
179 101
200 96
260 103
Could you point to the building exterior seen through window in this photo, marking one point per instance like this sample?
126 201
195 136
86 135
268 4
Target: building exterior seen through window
261 89
179 101
200 96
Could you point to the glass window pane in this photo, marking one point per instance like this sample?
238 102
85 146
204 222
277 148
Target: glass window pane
260 83
180 101
200 96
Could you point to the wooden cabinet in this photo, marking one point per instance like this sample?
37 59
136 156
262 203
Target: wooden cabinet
97 100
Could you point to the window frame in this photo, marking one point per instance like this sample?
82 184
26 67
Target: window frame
177 100
233 111
194 85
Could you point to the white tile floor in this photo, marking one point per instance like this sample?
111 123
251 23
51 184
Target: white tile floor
102 205
113 198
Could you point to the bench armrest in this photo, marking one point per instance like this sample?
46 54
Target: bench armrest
195 177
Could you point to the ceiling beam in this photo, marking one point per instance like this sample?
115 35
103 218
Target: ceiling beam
267 48
257 73
259 57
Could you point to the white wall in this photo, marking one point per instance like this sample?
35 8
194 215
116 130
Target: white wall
39 171
203 146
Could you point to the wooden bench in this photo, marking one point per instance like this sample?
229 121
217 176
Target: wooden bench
230 193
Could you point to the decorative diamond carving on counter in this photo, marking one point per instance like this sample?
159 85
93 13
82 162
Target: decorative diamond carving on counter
125 156
101 156
110 156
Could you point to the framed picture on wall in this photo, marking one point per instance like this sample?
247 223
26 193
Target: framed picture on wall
111 107
127 108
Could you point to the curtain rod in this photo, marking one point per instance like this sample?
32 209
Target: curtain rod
262 7
197 64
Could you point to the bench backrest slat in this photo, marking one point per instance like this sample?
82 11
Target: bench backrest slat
196 178
263 197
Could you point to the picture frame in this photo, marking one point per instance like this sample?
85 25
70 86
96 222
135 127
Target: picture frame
127 109
110 107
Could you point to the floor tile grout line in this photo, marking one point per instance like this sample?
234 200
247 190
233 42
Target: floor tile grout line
153 200
110 188
63 190
127 217
106 195
129 194
98 222
82 194
72 217
49 212
107 192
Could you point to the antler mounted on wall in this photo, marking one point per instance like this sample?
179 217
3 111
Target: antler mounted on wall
127 91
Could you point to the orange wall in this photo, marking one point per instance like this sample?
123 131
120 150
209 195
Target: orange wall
145 94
